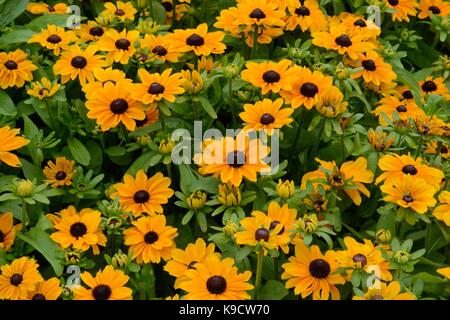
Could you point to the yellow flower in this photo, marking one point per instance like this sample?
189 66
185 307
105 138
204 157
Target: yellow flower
15 69
122 10
118 45
433 7
404 108
43 89
403 9
46 290
54 38
199 40
166 146
19 278
192 81
306 15
432 148
229 195
9 142
60 172
102 77
285 189
7 231
160 47
196 200
386 291
434 86
379 139
375 70
259 12
331 103
445 272
442 212
40 8
90 31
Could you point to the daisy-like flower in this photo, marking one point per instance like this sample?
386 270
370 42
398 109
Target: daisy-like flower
403 9
432 148
216 279
395 166
331 103
357 24
384 291
112 104
78 63
311 272
351 173
262 13
90 31
79 230
46 290
7 231
118 45
405 109
442 211
142 194
362 256
199 40
43 89
187 259
260 229
102 77
161 47
270 76
379 139
305 14
108 284
265 36
150 240
339 39
54 38
192 81
233 159
151 116
435 7
40 8
284 216
434 86
375 70
15 69
121 10
9 141
307 87
445 272
59 173
410 192
155 86
19 278
266 115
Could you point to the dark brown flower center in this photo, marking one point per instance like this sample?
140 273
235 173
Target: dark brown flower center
360 258
401 108
343 40
50 9
319 268
309 89
122 44
156 88
60 175
302 11
216 284
2 236
444 149
38 296
360 23
409 169
42 91
11 65
54 38
16 279
434 9
274 224
101 292
369 65
262 234
151 237
407 94
168 6
192 264
393 2
236 159
141 196
78 62
96 31
377 297
140 123
267 119
119 12
407 198
118 106
271 76
257 14
159 51
195 40
429 86
317 205
78 229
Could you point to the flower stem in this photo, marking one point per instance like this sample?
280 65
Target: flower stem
195 105
419 147
230 101
169 169
255 42
427 239
161 119
259 267
353 231
24 214
174 14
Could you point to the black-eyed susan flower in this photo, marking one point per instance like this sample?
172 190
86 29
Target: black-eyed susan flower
260 229
19 278
121 10
306 87
112 105
54 38
15 69
435 7
59 173
150 239
354 173
9 141
264 36
284 216
403 9
151 116
183 260
46 290
305 14
311 272
79 230
118 45
259 12
90 31
338 38
78 63
155 87
270 76
386 291
390 105
216 279
43 89
40 8
160 47
442 211
7 231
434 86
331 103
199 40
233 159
266 115
357 24
108 284
104 76
375 70
192 81
379 139
142 194
395 166
433 147
227 21
410 192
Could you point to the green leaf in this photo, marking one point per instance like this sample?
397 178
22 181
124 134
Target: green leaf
7 107
243 252
16 36
187 217
79 151
201 220
41 241
208 107
116 151
43 21
11 10
273 290
158 12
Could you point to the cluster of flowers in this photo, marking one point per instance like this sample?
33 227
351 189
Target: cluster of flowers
139 80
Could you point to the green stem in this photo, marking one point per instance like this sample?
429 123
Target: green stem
24 214
419 147
316 142
275 267
353 231
259 267
162 119
427 239
169 169
426 261
230 101
342 145
255 42
196 113
53 121
174 15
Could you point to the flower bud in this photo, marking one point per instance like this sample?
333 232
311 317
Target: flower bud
383 236
309 223
402 257
166 146
147 26
342 73
230 228
143 140
196 200
113 223
243 96
230 71
24 188
285 189
119 260
72 257
229 195
193 81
